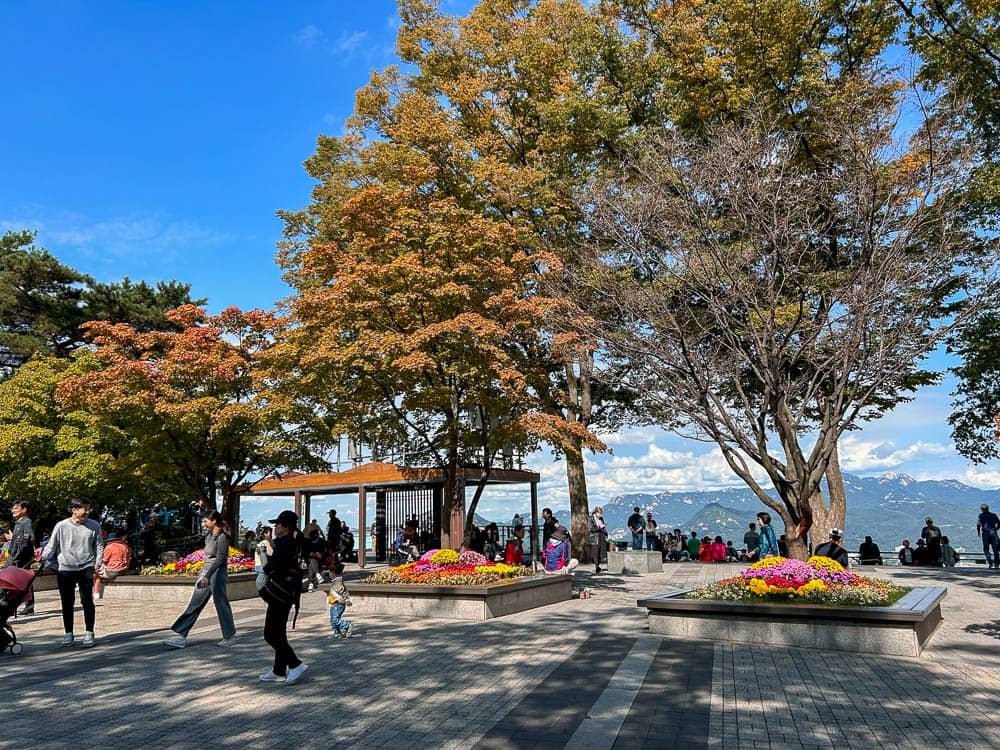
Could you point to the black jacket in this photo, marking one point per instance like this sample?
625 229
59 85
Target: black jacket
22 544
283 564
833 551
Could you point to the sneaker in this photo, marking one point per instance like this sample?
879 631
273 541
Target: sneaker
337 635
348 631
571 566
227 642
88 640
178 641
295 674
310 589
270 676
25 612
67 640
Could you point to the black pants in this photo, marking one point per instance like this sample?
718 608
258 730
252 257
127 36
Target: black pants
68 581
599 552
275 633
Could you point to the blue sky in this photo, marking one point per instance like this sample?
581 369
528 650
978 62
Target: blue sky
157 140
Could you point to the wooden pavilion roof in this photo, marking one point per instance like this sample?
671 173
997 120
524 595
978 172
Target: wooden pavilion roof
376 475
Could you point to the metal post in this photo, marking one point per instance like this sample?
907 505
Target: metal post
534 526
362 512
307 509
297 505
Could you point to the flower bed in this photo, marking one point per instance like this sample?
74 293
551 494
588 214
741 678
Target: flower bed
193 563
446 567
819 580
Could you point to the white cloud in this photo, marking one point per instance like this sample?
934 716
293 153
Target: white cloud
117 236
309 36
857 454
982 477
348 42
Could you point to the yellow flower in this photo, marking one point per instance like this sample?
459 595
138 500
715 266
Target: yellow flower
767 562
445 557
824 563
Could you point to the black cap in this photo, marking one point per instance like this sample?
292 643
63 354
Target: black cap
286 518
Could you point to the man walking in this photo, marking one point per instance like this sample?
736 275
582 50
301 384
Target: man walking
78 548
636 526
988 527
21 551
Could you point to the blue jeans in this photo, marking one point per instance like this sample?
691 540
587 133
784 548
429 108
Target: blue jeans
637 540
216 591
650 542
336 621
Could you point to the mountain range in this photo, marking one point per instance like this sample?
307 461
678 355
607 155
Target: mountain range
889 507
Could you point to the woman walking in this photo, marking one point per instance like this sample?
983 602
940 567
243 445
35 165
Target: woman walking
283 588
211 584
598 538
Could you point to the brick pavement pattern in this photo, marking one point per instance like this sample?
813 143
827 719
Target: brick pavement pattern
528 680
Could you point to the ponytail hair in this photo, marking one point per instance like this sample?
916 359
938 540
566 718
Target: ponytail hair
215 517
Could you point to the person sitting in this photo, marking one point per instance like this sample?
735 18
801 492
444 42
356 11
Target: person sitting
921 555
869 553
949 555
732 554
705 550
115 561
491 542
513 553
906 553
248 544
718 550
315 551
693 546
557 552
833 549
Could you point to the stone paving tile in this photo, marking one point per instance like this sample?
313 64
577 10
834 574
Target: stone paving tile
433 684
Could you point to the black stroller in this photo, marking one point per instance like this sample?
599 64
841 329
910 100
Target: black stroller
14 585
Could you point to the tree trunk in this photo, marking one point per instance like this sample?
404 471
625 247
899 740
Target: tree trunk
832 516
231 509
579 507
796 537
452 502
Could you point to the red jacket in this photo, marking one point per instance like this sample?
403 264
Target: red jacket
117 556
718 551
705 552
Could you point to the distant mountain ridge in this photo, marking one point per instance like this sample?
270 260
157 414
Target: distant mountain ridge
889 507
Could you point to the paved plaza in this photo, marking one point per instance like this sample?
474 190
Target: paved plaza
581 674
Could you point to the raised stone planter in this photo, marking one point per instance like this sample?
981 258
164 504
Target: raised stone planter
174 588
635 561
900 630
459 602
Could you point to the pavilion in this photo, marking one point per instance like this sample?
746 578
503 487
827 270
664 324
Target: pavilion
400 492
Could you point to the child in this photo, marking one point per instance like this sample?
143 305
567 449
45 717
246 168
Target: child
339 599
948 554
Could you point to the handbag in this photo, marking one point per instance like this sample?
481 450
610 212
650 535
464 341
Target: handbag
274 592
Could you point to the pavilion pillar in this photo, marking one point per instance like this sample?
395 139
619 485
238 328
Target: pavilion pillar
534 526
306 508
362 513
297 505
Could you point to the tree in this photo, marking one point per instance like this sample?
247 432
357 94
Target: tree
39 302
51 453
743 324
197 403
976 408
44 303
521 88
416 325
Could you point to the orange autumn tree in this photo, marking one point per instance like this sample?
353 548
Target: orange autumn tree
197 403
417 313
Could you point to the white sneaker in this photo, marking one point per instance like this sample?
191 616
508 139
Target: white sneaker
227 642
178 641
270 676
88 640
571 566
348 631
295 674
310 589
67 640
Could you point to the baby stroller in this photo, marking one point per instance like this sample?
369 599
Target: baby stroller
14 585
